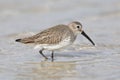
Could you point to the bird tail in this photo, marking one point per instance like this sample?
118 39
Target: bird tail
18 40
25 40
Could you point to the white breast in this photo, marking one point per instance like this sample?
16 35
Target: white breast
63 43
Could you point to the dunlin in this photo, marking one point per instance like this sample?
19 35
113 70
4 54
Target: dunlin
56 37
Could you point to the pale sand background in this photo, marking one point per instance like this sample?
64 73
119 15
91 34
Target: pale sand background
81 61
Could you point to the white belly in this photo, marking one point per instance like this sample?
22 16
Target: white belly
62 44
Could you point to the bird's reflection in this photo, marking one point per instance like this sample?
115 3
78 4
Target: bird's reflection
49 70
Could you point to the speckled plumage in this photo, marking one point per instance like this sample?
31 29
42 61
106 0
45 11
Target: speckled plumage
52 35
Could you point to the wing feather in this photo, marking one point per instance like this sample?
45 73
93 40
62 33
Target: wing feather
50 36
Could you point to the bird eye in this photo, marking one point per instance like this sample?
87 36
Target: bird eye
78 26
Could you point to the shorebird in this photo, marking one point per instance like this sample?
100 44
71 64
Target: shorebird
56 37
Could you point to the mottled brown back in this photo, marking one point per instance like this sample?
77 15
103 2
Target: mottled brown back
50 36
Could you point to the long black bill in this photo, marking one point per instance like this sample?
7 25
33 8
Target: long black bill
85 35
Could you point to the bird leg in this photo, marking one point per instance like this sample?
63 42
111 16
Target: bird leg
41 52
52 56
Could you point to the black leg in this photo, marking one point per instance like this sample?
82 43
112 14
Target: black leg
42 54
52 56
